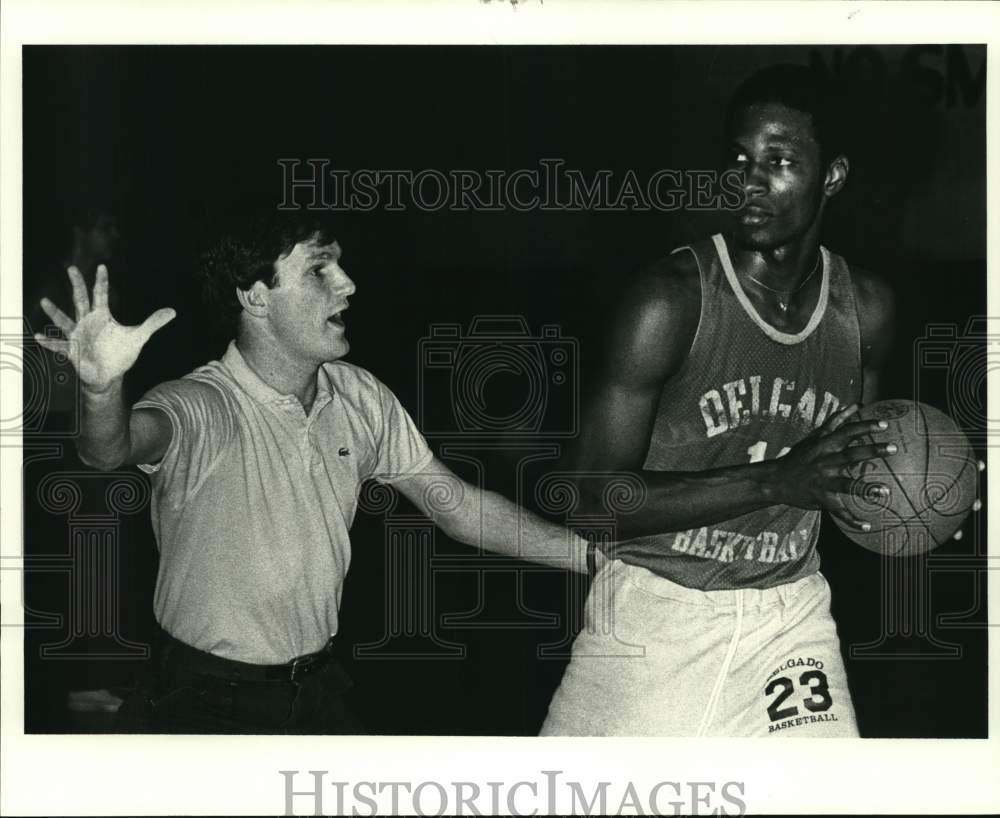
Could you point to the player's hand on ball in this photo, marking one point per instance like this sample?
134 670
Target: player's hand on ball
101 349
813 473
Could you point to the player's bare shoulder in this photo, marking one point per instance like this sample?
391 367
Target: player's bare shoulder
658 313
664 296
873 294
876 306
871 290
672 282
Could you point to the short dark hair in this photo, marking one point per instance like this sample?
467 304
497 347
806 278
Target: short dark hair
799 88
241 256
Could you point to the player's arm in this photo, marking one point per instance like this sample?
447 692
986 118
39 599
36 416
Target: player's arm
102 351
112 435
876 305
490 521
649 340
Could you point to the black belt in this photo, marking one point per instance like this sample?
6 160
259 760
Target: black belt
201 662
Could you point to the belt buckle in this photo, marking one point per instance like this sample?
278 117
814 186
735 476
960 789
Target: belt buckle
302 664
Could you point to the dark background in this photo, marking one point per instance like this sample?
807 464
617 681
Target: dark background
176 139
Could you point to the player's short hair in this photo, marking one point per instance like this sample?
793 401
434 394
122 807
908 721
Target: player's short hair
239 257
799 88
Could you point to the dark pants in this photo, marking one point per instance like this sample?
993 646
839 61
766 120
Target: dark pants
184 697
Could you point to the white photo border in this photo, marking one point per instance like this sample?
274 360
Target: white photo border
89 775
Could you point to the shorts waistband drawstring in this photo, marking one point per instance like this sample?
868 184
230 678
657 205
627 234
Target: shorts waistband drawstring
713 700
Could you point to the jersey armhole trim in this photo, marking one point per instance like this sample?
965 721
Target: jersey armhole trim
701 306
857 324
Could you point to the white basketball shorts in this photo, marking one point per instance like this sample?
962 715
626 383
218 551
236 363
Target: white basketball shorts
657 659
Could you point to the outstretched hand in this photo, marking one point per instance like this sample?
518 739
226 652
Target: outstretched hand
100 349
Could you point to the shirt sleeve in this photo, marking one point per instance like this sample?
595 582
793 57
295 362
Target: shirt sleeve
402 449
200 426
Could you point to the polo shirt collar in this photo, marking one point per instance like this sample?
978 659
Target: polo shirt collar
260 391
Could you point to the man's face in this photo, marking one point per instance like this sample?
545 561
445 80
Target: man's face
306 304
776 148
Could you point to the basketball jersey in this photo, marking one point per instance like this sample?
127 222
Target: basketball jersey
747 392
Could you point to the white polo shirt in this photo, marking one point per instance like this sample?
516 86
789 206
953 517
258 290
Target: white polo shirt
253 500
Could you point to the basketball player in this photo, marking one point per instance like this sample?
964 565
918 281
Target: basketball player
256 463
727 364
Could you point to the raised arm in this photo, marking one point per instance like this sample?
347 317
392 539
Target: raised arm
649 339
102 351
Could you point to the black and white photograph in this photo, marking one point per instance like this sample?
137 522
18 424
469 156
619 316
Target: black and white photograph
498 424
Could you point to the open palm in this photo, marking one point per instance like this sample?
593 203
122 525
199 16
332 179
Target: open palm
101 349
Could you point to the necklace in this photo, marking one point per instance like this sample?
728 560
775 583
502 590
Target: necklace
785 296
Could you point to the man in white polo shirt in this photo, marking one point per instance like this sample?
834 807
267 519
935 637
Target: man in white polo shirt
256 462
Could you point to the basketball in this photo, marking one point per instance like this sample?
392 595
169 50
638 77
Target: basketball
932 480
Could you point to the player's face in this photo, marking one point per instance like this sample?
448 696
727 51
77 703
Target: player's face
784 178
305 306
